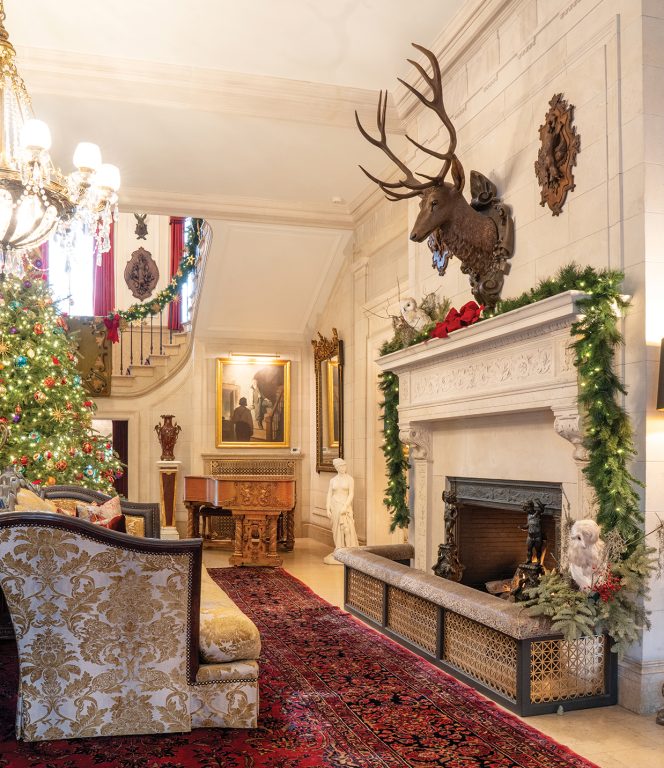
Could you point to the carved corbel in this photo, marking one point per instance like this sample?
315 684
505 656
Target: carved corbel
418 440
569 425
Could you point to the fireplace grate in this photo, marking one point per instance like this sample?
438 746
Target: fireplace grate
560 669
365 594
489 656
413 618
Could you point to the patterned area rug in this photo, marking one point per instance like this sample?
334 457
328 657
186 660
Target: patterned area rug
333 693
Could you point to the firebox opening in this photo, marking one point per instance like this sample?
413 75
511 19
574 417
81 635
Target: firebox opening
492 543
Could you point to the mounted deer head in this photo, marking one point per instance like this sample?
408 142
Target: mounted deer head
481 241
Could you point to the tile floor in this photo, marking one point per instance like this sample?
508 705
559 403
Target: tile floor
611 737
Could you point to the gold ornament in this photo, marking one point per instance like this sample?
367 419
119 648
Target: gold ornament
59 415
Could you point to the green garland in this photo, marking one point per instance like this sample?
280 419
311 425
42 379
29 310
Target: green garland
165 296
395 457
608 432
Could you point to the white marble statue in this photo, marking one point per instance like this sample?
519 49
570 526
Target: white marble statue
340 510
585 552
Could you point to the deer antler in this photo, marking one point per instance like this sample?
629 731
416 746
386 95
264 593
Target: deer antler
436 103
381 143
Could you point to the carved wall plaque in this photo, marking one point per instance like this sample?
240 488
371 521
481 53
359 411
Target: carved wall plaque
560 144
141 274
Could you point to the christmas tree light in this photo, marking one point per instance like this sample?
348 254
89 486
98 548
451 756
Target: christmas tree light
43 402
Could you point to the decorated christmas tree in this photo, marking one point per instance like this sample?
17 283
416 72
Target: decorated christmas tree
43 405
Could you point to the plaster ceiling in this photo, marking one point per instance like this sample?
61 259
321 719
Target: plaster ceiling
227 109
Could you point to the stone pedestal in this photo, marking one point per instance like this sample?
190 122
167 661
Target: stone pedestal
168 474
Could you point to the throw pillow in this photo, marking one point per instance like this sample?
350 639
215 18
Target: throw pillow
29 501
105 511
112 523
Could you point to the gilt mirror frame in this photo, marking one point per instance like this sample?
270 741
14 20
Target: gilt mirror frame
329 375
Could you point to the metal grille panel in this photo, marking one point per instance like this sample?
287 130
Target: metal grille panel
486 655
365 594
413 618
567 669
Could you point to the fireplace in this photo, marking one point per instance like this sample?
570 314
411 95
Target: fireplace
484 540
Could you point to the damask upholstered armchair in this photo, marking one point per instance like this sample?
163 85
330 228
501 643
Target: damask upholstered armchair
107 627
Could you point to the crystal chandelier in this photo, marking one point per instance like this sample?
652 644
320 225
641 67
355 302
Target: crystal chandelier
36 198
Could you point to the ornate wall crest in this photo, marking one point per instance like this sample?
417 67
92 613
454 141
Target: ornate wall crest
557 154
141 274
141 230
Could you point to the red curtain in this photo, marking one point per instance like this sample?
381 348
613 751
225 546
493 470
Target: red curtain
103 280
177 247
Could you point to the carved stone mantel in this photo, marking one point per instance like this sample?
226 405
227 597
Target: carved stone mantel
514 363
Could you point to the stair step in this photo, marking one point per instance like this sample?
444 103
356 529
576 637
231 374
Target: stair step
142 370
158 361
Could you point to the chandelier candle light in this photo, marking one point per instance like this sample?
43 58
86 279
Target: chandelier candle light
36 198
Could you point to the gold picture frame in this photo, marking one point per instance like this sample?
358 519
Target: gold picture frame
263 419
333 400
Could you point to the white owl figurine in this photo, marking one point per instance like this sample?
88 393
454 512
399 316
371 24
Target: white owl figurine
415 317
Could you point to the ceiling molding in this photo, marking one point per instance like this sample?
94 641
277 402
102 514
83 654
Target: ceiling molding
467 31
189 88
253 210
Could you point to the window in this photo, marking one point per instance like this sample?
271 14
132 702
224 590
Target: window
187 288
70 267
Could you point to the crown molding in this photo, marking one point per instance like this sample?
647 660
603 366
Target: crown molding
193 88
254 210
467 31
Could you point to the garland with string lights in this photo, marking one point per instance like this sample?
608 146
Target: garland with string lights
187 263
393 450
608 432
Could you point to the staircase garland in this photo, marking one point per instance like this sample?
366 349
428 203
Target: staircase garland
608 434
187 263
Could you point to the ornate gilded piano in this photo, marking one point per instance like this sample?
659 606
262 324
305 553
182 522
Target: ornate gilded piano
261 509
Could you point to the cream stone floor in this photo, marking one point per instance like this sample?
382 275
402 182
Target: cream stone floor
611 737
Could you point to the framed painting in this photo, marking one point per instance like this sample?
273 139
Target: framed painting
253 403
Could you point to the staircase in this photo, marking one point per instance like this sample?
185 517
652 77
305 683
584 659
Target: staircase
148 352
147 372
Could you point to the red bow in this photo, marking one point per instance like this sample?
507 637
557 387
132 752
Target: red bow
455 319
112 324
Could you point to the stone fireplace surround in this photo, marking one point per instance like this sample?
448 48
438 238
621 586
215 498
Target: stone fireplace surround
516 363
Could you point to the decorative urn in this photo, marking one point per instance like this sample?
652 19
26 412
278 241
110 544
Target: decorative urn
168 434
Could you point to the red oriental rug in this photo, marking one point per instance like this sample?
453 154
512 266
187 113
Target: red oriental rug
333 693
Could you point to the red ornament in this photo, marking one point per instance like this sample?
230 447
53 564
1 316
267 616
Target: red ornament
49 382
36 482
48 455
60 320
18 409
24 460
38 329
61 465
70 357
79 475
68 406
72 451
87 403
55 360
87 447
3 419
39 396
